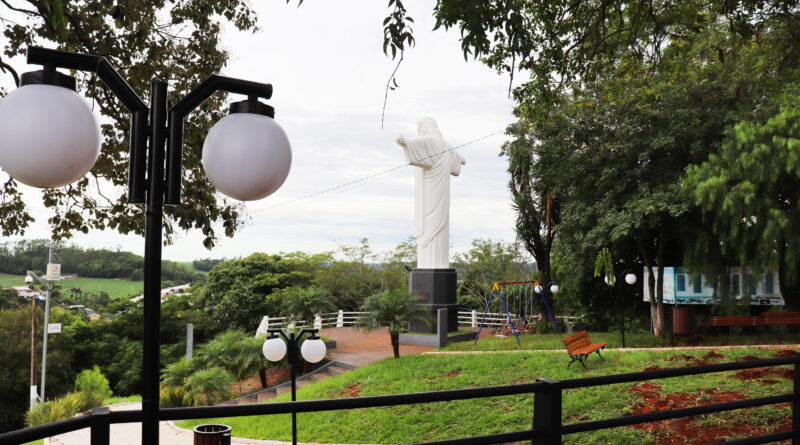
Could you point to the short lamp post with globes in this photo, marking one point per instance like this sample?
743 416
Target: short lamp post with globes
50 138
630 278
312 350
553 291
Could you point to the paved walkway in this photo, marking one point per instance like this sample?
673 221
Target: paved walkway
353 347
131 433
361 348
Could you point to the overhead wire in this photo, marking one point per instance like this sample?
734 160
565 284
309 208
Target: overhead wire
371 176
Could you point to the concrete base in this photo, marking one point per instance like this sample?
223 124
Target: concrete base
433 340
438 340
436 289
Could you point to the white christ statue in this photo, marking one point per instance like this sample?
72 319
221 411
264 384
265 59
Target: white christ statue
436 160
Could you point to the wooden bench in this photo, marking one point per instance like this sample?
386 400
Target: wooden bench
780 318
579 346
735 321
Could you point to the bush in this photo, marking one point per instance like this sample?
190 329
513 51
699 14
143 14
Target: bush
92 388
172 397
59 409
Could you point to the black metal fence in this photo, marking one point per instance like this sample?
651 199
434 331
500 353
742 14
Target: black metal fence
546 426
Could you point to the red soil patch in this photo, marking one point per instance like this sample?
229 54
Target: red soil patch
450 374
690 361
712 354
786 353
749 357
758 373
353 390
686 430
653 368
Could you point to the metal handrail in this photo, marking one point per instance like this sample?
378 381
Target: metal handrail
548 394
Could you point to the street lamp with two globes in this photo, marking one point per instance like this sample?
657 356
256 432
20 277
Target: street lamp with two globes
553 291
50 138
630 278
312 350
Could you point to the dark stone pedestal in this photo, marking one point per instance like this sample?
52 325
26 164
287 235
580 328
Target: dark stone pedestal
436 289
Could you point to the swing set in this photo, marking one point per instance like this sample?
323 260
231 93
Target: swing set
534 287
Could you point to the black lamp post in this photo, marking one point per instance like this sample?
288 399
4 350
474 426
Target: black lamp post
312 351
44 119
630 278
553 286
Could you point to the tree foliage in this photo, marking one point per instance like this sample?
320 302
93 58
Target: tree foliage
750 193
486 263
238 293
179 42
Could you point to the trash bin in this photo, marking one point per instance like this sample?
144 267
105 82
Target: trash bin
681 324
212 434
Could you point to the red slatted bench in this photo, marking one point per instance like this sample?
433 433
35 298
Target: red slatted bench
579 346
780 318
735 321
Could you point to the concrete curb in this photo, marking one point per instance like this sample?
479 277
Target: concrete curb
671 348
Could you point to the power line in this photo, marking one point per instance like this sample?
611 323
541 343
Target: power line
374 175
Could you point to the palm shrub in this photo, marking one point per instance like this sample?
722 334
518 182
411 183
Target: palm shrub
208 387
238 353
394 308
304 303
171 392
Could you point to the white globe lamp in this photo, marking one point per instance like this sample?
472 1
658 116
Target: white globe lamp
313 350
247 155
554 288
50 137
630 278
537 289
274 349
611 281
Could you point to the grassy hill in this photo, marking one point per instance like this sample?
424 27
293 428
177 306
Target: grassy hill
113 287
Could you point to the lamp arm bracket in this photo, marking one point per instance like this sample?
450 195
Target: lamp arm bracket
189 103
89 63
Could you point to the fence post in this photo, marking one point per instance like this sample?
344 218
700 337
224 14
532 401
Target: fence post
317 321
474 318
100 426
547 413
796 403
340 319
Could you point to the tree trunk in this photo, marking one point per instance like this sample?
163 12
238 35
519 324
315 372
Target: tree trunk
395 336
262 375
787 283
659 324
656 298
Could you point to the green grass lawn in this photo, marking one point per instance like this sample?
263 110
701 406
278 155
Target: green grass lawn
113 287
614 340
448 420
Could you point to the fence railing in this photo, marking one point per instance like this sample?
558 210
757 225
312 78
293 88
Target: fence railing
345 318
546 426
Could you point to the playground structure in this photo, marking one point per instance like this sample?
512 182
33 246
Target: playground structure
522 324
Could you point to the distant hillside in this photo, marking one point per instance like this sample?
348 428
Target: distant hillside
18 258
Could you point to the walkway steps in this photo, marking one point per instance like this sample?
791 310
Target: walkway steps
328 370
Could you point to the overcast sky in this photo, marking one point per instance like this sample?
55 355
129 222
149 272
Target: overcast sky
329 73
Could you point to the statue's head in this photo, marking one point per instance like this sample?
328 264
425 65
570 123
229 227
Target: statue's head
427 127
